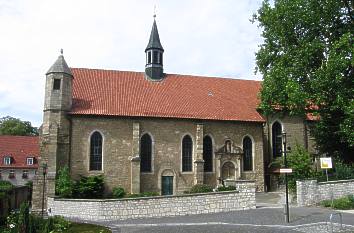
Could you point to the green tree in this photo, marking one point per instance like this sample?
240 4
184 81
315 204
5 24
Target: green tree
64 185
13 126
307 65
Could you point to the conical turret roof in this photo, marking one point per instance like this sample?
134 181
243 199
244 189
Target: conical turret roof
154 42
60 66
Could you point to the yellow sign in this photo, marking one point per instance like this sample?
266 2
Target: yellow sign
326 163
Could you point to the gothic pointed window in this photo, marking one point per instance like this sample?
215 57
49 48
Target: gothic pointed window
208 154
276 139
96 151
145 153
187 149
247 154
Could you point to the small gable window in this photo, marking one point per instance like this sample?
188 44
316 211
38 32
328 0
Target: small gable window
30 161
187 149
145 153
247 158
96 152
7 160
56 84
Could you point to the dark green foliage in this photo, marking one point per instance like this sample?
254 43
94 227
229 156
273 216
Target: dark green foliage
118 192
300 160
23 218
13 126
343 171
226 188
5 185
201 188
89 187
64 186
307 65
344 203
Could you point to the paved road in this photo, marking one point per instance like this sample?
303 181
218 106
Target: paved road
267 218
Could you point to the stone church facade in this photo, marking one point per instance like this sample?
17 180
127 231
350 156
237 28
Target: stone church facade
152 131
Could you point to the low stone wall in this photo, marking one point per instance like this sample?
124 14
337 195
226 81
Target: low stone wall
132 208
310 192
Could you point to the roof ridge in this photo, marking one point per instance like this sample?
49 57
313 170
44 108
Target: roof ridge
167 74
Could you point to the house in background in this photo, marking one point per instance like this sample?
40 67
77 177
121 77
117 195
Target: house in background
18 158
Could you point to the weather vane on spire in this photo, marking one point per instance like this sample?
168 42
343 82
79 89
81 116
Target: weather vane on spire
154 12
61 51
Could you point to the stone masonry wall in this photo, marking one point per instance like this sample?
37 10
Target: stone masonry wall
166 137
120 209
310 192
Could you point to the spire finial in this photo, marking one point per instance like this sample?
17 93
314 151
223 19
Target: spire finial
154 12
61 51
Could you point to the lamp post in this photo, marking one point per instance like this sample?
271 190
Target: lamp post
44 167
283 135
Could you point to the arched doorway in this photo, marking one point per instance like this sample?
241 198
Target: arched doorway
228 171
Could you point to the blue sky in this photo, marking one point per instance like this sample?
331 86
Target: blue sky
200 37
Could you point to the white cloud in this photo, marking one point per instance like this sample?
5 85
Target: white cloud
202 37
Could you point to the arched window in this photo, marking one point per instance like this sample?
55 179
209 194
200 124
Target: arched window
96 151
276 139
208 154
187 149
145 153
247 154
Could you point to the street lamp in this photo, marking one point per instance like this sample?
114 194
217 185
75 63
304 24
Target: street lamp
283 135
44 167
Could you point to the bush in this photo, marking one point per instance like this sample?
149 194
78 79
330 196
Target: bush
118 192
228 188
344 203
144 194
201 188
64 186
300 160
89 187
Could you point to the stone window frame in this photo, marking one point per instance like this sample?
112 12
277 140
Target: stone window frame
89 152
25 174
271 136
12 174
213 153
253 153
181 153
152 152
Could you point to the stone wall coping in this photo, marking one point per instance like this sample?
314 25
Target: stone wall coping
56 198
336 181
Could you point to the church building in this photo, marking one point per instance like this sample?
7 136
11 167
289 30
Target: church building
155 131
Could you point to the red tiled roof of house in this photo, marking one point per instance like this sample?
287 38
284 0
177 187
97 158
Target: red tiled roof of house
19 148
123 93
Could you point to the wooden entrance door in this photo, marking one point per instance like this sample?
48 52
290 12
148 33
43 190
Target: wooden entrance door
167 185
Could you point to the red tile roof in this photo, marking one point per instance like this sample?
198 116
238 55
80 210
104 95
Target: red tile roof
19 148
123 93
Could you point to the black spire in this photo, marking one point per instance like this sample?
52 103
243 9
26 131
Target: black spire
154 42
154 55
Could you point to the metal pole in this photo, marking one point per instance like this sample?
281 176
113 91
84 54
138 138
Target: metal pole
44 173
286 180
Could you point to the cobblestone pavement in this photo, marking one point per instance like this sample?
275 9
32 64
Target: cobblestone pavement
263 220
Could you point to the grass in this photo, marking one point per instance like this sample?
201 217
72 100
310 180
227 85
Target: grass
79 228
344 203
86 228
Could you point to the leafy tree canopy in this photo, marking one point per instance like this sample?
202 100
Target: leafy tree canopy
13 126
307 65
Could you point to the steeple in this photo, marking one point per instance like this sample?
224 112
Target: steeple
154 55
60 66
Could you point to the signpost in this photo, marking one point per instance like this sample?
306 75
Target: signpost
286 170
326 163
